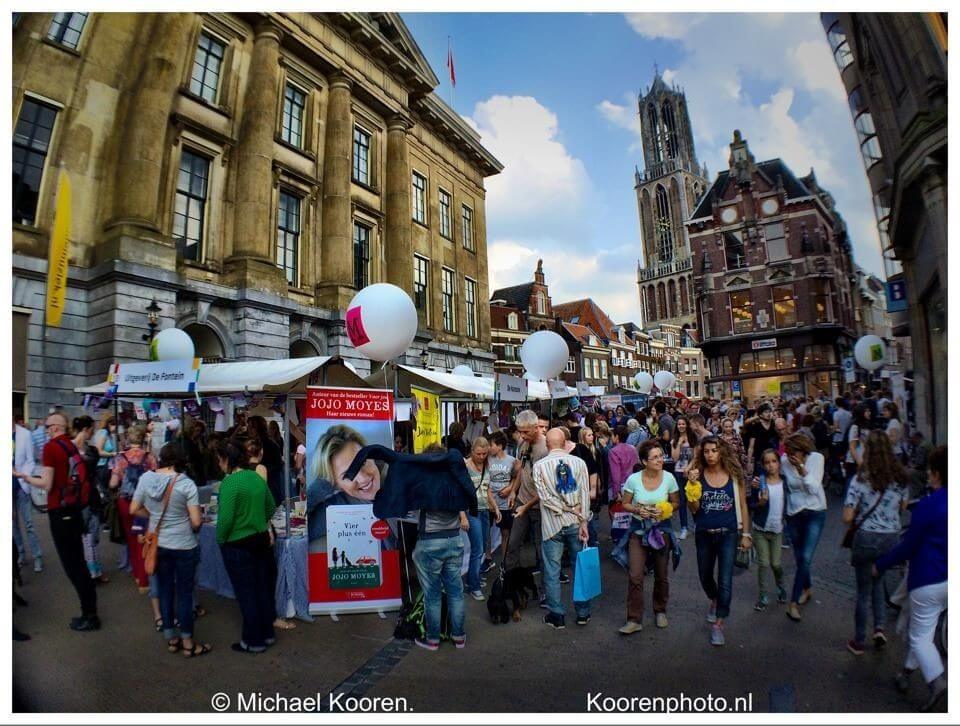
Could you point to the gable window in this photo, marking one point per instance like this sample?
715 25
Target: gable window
470 298
784 306
447 287
205 77
513 322
419 198
31 141
288 236
446 224
466 222
294 104
421 284
741 309
541 304
190 205
776 242
361 156
361 255
65 28
733 249
571 366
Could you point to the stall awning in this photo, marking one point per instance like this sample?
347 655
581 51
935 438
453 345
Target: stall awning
448 385
288 375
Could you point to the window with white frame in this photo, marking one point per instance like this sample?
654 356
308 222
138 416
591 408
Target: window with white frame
66 28
466 222
571 365
421 284
603 369
361 155
513 321
776 242
470 301
189 207
205 77
31 142
445 223
419 198
447 291
288 236
361 255
294 106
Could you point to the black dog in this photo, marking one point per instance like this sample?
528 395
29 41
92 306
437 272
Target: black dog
511 593
497 602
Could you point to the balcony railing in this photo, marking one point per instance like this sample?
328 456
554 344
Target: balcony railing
655 171
662 269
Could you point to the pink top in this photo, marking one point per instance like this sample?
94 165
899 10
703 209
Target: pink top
623 458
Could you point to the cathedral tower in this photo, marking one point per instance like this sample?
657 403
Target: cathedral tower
668 189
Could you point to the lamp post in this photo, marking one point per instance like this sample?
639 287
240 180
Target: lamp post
153 320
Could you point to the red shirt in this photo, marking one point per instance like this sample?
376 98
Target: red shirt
55 456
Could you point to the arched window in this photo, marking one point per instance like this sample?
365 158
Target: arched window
655 133
684 297
672 299
206 343
664 228
513 321
651 304
670 131
662 301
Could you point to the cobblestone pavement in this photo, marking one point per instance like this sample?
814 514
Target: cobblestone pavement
526 666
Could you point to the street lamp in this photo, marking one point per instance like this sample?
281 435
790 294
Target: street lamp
153 320
424 358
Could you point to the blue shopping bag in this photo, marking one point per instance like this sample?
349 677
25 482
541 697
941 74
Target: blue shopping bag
586 578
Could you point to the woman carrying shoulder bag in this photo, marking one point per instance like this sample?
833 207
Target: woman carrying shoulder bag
877 495
169 497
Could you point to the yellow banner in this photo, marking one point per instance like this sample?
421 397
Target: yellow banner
59 257
428 419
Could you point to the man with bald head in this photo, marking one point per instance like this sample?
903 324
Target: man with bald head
563 485
64 476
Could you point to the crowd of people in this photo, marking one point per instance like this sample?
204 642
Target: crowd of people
747 482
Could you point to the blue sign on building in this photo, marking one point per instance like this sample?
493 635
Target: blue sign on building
896 296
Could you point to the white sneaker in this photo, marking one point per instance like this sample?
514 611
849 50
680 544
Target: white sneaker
683 533
478 595
38 565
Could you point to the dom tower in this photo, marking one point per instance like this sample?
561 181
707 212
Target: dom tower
667 193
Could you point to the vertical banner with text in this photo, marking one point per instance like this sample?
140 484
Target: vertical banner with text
354 563
428 419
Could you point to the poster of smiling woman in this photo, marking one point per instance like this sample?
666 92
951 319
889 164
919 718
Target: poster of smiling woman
354 563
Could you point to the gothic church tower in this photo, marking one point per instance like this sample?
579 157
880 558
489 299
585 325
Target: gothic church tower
667 193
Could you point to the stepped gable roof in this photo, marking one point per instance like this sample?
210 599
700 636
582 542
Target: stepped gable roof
517 296
769 169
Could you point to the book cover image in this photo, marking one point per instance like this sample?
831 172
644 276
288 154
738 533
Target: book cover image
353 553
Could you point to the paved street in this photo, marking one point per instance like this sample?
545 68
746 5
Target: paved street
514 667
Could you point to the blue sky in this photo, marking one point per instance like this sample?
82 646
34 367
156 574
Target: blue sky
554 98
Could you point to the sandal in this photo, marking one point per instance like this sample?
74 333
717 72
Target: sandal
198 649
174 645
158 624
199 612
281 624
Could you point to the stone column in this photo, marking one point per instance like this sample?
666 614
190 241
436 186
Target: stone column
399 242
252 263
336 276
133 229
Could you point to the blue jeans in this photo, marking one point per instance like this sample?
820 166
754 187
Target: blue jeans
479 535
552 553
249 571
682 482
175 576
23 512
438 564
592 531
717 551
805 528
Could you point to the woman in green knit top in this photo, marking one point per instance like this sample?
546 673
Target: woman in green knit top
245 508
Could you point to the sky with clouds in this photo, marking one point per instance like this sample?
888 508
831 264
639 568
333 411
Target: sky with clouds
554 97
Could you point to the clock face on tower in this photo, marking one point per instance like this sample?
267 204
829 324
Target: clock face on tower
729 215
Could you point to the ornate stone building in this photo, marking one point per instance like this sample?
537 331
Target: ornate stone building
249 172
894 70
774 280
668 190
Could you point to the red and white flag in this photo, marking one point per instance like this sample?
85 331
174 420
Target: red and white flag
453 73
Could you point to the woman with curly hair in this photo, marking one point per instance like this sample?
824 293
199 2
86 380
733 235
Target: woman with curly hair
877 495
717 499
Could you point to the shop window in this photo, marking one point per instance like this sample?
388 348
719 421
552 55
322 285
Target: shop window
747 363
785 358
818 355
766 361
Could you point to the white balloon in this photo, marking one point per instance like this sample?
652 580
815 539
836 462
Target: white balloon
381 321
870 352
664 380
644 381
530 377
171 344
463 370
544 354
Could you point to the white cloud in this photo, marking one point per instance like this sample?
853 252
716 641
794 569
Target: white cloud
659 25
773 77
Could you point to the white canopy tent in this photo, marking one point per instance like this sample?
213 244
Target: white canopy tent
449 385
288 375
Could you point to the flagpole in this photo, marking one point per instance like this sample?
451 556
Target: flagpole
449 75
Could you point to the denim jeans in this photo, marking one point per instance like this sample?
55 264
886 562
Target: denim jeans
717 551
592 531
682 482
91 544
479 535
867 548
176 574
438 563
805 528
23 512
552 552
249 572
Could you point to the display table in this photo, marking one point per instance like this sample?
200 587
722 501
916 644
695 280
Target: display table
291 552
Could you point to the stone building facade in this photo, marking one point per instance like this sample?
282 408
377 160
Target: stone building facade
894 70
248 172
668 190
774 281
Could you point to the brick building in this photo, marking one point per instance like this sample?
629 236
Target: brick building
774 276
